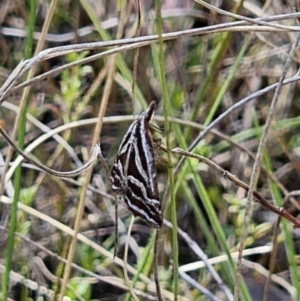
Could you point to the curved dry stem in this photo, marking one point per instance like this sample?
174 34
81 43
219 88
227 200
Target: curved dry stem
240 26
60 174
44 128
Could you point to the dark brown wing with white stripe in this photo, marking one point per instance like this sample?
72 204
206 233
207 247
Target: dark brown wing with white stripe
134 175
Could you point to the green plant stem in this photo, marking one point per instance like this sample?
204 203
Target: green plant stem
167 111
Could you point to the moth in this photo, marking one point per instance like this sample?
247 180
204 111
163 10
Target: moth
134 175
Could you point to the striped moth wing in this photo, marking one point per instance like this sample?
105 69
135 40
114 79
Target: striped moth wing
134 176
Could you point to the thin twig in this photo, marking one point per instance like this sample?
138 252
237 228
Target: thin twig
278 210
256 166
60 174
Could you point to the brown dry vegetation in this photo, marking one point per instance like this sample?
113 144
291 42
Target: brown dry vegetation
214 74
